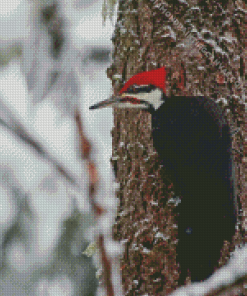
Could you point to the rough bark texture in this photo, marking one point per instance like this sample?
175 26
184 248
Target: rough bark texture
145 38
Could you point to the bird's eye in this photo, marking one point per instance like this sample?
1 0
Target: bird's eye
141 88
132 89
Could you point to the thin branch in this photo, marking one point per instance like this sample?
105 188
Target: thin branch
85 149
13 125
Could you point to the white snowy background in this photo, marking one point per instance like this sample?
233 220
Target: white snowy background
42 214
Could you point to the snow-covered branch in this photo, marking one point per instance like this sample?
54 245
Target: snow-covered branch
230 275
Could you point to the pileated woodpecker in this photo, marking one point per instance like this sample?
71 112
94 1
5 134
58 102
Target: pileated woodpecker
193 140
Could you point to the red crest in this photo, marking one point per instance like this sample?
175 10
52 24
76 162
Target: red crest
155 77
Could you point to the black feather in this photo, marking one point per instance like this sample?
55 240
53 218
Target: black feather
193 140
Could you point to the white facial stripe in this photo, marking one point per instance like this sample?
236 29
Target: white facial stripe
154 98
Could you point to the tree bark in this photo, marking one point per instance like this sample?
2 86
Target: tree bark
148 35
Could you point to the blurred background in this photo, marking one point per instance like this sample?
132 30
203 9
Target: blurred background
53 60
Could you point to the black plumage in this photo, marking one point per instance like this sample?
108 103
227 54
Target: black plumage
193 140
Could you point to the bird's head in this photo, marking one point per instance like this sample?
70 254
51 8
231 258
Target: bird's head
144 91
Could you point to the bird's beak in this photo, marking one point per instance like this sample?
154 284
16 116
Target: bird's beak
115 100
106 103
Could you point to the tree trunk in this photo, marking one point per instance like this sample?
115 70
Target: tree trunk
201 45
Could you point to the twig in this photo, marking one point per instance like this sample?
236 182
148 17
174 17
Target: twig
13 125
85 149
